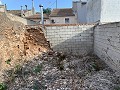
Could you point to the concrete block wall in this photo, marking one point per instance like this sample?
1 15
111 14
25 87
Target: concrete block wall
75 39
107 44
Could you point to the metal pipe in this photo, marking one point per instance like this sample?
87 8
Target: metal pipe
56 4
42 18
21 11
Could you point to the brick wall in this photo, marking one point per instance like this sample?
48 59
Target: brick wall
75 39
107 44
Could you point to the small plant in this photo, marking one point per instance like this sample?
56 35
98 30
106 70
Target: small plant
8 61
3 86
61 67
38 68
96 67
18 69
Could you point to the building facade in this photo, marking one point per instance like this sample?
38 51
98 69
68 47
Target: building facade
37 18
103 11
79 8
62 16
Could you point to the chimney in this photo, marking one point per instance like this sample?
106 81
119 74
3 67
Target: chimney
26 7
33 9
42 18
5 7
21 11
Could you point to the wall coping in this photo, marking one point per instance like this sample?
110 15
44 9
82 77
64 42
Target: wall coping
49 25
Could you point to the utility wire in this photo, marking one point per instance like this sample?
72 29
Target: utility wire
52 4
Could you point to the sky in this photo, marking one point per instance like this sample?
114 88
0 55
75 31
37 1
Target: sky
16 4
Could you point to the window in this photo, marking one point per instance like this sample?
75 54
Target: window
67 20
52 21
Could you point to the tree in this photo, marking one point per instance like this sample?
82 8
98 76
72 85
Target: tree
47 11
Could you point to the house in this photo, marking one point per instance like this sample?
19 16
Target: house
103 11
21 13
2 7
80 10
62 16
37 18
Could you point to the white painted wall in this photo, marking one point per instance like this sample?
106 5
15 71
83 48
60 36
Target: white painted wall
110 11
103 10
80 11
93 11
61 20
82 14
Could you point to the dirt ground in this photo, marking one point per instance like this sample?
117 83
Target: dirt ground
57 71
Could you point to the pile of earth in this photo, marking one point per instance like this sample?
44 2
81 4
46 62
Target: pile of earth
18 44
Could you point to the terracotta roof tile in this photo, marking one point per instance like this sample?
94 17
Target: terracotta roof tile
62 12
37 16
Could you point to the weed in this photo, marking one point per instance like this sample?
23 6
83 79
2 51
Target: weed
96 67
117 88
8 61
3 86
38 68
18 70
11 74
61 67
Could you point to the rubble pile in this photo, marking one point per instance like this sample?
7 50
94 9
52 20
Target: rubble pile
57 71
18 44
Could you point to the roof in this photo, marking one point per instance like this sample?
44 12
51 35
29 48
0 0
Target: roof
62 12
16 12
37 16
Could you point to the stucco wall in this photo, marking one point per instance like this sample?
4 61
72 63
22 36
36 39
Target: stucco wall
80 10
75 39
107 44
93 11
82 14
61 20
110 11
104 11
